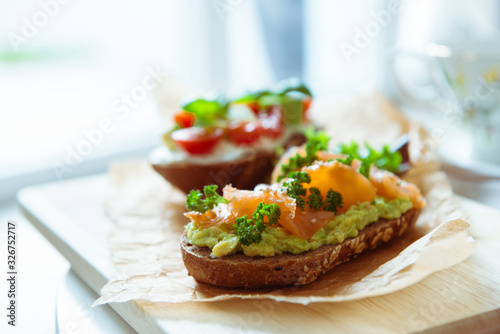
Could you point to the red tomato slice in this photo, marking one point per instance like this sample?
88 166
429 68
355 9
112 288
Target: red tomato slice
272 122
254 106
197 140
244 133
184 119
306 104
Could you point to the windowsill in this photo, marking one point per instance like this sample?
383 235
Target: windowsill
41 269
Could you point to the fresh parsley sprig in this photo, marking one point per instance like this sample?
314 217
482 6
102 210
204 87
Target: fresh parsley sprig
316 141
333 201
271 211
195 202
314 200
295 189
384 159
250 231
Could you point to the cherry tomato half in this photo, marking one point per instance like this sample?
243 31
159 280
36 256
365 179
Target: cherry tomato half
244 133
306 104
272 122
254 106
184 119
197 140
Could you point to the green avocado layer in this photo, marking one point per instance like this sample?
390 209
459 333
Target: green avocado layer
276 240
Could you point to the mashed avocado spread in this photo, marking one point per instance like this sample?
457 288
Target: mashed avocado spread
276 240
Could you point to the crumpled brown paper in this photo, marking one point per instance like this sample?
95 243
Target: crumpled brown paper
148 212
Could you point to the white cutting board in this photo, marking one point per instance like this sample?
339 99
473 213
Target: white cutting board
69 214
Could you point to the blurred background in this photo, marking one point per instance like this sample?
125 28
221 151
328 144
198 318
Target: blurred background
82 82
66 66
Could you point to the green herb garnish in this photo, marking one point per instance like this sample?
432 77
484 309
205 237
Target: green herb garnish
271 211
289 94
386 158
292 85
207 111
364 168
195 202
383 159
295 189
351 149
315 200
347 161
333 201
316 141
252 96
250 231
279 91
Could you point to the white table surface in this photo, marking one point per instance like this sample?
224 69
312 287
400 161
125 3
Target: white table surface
52 299
41 270
75 314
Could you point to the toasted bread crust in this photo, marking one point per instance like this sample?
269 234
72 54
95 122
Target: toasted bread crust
255 167
241 271
243 173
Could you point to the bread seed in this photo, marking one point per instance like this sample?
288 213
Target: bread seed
333 256
387 234
354 243
306 269
301 280
375 240
360 248
402 229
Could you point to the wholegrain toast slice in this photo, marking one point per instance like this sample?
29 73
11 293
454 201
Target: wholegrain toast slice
244 173
253 167
241 271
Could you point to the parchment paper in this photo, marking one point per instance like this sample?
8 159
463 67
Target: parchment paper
147 213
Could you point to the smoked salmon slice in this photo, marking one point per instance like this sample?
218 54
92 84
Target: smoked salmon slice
244 202
391 186
344 179
307 223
